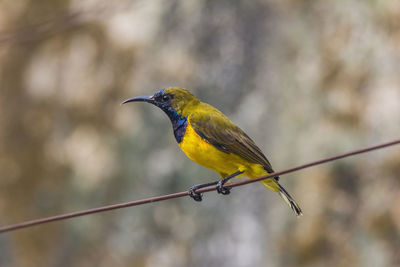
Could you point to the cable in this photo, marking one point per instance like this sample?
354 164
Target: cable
186 193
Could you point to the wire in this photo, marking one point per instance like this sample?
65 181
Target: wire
186 193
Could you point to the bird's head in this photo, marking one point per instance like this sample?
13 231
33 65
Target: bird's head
172 100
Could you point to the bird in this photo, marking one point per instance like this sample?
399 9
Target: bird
211 139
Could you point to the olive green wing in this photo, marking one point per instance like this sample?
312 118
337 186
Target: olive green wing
214 127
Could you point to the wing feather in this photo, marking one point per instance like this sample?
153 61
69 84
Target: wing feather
214 127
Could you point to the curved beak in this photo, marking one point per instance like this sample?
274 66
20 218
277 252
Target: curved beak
148 99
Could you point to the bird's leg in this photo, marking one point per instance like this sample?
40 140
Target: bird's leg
199 196
220 184
220 187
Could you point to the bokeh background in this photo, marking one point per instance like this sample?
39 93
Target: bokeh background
305 79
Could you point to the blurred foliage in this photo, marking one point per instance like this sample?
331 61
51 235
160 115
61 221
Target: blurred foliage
305 79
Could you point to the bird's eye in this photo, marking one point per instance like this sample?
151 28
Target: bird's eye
166 98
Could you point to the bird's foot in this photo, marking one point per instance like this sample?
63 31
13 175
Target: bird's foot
196 196
220 185
221 189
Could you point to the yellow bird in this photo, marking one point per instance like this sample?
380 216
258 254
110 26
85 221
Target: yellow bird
209 138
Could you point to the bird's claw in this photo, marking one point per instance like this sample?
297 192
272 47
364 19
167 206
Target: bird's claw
196 196
223 190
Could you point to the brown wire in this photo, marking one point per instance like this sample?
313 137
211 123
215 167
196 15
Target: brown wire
13 227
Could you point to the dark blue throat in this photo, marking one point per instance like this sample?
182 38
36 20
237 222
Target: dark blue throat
179 123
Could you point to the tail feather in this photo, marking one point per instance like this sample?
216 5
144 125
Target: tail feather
289 200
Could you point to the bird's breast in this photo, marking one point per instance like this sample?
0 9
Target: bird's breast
203 153
199 150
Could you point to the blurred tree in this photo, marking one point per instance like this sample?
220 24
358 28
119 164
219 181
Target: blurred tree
305 79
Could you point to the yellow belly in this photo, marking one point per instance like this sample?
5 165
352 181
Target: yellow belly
203 153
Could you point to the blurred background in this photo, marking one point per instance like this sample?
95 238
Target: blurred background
305 79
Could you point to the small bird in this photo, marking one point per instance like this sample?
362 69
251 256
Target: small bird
210 139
